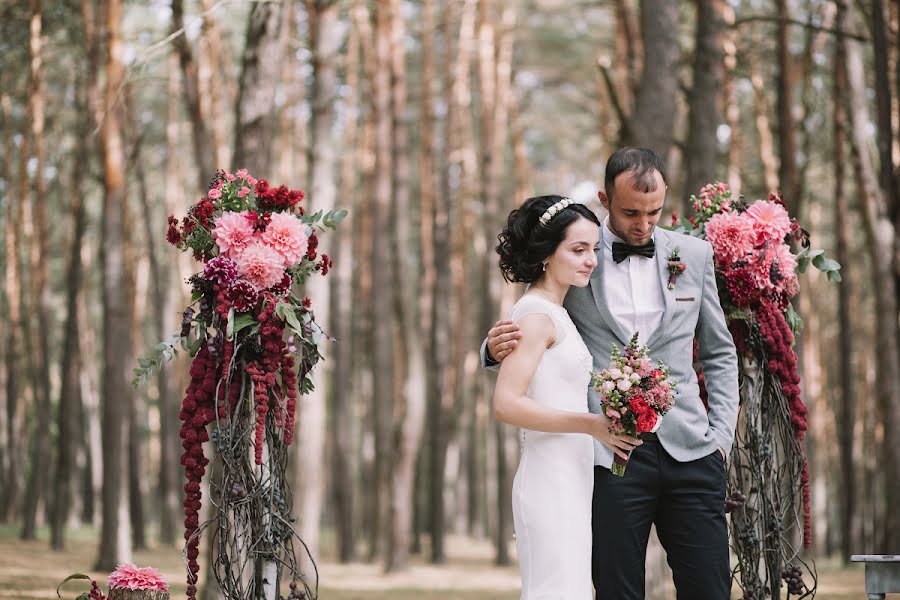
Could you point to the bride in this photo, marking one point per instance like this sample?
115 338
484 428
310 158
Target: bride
550 244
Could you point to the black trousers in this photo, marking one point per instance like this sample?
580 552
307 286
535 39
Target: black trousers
686 501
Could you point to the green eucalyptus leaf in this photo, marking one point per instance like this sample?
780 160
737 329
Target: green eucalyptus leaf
819 262
832 265
160 347
835 276
243 321
195 346
815 253
802 264
291 319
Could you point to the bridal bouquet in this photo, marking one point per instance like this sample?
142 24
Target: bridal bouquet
634 393
254 343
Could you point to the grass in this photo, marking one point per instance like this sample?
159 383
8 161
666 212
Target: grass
30 570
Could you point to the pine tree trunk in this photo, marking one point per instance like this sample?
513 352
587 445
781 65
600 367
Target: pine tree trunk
732 107
788 175
410 411
115 533
846 396
89 392
13 283
256 115
705 100
382 276
138 427
215 54
762 110
427 196
191 92
35 492
169 489
326 40
340 426
69 402
880 243
652 123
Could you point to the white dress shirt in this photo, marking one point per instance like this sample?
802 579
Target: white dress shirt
633 289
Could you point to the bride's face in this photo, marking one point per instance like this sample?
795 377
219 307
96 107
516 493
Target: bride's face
576 256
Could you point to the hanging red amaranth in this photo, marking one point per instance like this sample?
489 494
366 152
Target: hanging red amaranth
197 410
779 341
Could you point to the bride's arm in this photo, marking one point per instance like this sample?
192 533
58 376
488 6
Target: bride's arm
513 406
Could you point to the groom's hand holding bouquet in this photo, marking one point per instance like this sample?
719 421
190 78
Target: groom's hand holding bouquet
634 394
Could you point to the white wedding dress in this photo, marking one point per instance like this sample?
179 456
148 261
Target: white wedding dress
553 485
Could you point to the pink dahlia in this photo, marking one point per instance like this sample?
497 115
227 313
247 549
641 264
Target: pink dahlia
233 234
774 268
130 577
261 265
732 237
770 221
287 235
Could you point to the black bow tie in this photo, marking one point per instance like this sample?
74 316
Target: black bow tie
621 251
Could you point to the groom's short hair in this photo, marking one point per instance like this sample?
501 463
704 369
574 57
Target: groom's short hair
641 162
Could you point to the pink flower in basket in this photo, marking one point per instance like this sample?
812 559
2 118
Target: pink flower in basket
770 221
132 577
287 235
233 233
261 265
732 237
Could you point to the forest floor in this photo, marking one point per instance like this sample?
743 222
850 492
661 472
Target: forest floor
30 570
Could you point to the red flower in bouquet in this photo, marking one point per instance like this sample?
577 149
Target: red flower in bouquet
633 394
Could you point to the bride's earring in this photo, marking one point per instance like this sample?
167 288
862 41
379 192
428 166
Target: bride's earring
545 267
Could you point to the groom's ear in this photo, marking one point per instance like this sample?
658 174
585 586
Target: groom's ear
604 199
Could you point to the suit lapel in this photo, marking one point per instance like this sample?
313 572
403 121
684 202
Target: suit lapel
663 248
598 289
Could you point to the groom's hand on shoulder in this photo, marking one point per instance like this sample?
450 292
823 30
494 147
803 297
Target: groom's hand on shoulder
502 339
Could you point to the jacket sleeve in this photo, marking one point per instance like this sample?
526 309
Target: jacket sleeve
718 358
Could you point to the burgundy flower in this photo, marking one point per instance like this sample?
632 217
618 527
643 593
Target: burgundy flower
203 211
325 264
277 199
221 270
260 220
742 288
242 295
311 247
284 286
173 236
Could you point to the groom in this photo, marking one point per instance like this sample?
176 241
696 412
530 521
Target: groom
676 478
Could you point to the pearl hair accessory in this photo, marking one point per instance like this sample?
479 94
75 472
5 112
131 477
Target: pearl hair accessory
555 210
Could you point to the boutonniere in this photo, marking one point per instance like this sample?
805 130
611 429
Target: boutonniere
676 267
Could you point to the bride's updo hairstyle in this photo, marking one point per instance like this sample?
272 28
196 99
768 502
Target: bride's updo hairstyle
529 237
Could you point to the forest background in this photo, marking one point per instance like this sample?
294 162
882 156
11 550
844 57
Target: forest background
428 120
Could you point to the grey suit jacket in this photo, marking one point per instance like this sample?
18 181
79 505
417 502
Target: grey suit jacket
687 431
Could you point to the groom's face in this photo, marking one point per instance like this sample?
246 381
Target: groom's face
633 214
